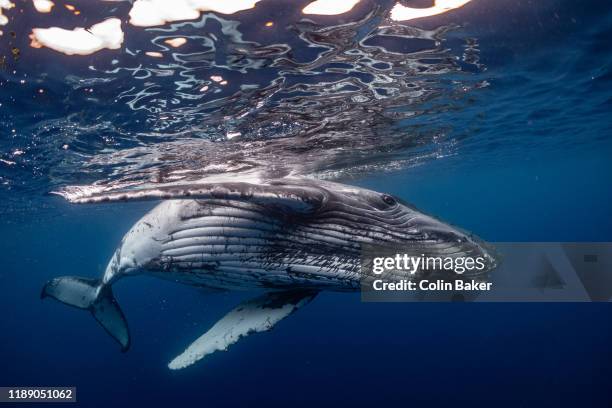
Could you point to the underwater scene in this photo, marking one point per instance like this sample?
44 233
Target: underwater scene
193 194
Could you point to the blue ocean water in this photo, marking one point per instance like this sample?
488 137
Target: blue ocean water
523 154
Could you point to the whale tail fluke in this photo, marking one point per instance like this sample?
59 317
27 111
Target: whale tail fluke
92 295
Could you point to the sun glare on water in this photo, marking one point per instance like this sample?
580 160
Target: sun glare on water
108 34
403 13
330 7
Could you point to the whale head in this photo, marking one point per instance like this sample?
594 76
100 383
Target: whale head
375 221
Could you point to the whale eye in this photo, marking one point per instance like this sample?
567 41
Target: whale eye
388 199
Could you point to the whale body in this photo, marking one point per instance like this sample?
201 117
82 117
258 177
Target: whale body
290 238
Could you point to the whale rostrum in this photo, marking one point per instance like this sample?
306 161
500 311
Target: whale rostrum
289 238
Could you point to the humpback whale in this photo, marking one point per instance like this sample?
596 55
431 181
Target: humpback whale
289 238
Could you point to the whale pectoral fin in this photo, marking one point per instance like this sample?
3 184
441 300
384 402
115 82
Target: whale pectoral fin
255 315
270 193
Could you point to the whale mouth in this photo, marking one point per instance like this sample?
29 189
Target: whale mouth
470 256
432 249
